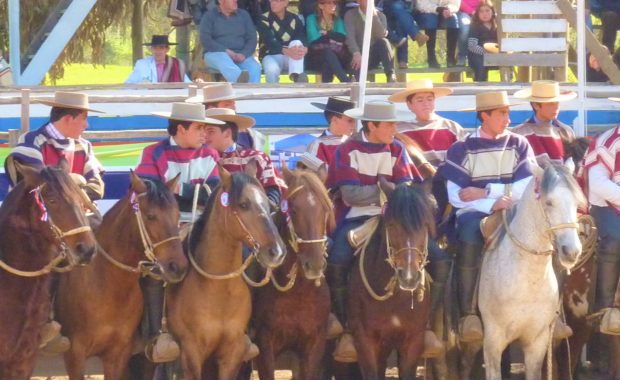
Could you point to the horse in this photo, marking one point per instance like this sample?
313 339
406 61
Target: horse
292 312
208 312
396 255
100 306
518 291
43 225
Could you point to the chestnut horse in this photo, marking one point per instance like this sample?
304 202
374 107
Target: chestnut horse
292 312
43 223
100 306
209 311
393 261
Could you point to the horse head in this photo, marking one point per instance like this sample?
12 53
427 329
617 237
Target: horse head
157 221
408 221
244 198
311 215
60 203
560 197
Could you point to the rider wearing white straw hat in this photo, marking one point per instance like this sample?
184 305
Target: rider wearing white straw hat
485 173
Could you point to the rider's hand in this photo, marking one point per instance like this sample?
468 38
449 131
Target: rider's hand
470 194
386 185
502 203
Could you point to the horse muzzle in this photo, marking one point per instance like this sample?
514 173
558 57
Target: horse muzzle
81 254
271 257
314 269
568 255
408 280
172 272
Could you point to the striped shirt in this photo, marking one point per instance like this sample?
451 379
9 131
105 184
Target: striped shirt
45 147
434 137
165 159
324 147
604 151
236 160
546 139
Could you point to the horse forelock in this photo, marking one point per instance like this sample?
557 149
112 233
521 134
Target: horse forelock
314 185
411 208
56 177
555 175
158 193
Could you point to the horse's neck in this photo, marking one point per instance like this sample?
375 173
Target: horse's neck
528 226
377 269
119 235
218 252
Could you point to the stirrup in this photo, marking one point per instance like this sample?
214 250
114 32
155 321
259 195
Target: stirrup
610 324
161 349
433 347
49 332
56 346
345 349
470 329
334 327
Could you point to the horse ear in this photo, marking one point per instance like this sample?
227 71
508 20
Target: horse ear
225 177
286 173
322 173
137 184
173 183
64 165
30 175
251 168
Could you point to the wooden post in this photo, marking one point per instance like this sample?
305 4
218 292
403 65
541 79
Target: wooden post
183 44
137 36
25 120
13 137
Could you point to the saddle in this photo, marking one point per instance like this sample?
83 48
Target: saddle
361 234
490 226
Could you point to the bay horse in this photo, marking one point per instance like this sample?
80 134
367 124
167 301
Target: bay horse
292 312
100 306
518 293
209 311
43 224
393 261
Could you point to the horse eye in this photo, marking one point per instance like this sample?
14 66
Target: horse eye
151 217
244 205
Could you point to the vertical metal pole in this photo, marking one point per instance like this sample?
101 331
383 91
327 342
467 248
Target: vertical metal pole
25 121
14 41
370 10
581 129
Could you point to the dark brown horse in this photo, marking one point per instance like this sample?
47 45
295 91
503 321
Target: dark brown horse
292 312
42 221
389 303
209 311
100 306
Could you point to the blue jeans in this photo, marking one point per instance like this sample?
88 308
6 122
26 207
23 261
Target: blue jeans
464 22
221 62
468 227
476 62
341 252
399 15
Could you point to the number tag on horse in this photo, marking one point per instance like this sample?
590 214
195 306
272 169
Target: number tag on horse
224 199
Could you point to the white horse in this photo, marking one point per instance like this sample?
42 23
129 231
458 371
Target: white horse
518 293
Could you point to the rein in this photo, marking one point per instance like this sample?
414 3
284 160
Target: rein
150 265
59 234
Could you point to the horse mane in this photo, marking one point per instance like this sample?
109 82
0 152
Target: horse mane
238 183
411 208
556 174
158 193
311 181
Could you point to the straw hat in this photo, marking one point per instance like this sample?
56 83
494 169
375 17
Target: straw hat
545 91
215 93
226 114
73 100
419 85
335 104
376 110
188 112
491 100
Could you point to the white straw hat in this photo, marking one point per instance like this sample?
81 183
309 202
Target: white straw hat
545 91
226 114
419 85
491 100
188 112
376 110
73 100
216 93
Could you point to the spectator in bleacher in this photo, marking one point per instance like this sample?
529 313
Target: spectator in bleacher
483 30
282 43
435 14
594 72
222 95
228 37
616 57
160 67
466 12
609 13
326 36
380 48
402 25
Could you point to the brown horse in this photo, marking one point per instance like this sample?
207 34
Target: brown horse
209 311
100 306
43 223
292 312
393 259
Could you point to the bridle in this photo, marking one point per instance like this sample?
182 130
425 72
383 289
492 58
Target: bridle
151 267
59 235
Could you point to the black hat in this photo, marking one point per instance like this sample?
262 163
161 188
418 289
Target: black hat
335 104
159 40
